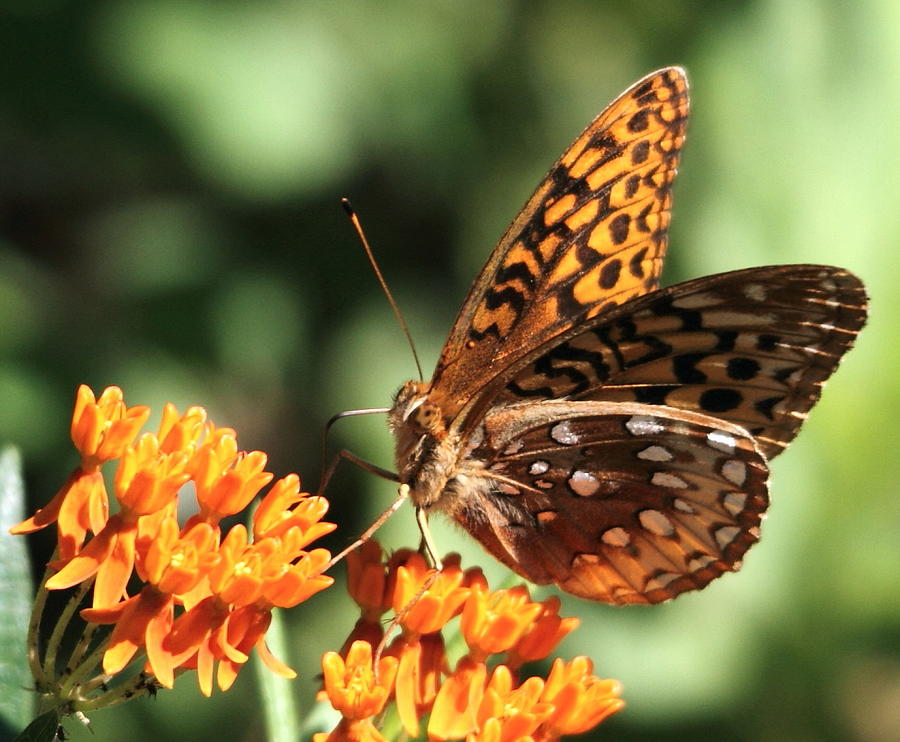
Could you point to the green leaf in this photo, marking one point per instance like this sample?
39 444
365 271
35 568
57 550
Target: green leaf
42 729
278 705
16 593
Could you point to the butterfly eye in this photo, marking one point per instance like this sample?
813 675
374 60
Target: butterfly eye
428 417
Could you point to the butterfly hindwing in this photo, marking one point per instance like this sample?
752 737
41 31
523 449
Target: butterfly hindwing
593 235
752 347
624 503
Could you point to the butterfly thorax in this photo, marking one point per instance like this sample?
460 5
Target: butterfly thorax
426 452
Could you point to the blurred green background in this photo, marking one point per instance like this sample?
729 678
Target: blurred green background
169 222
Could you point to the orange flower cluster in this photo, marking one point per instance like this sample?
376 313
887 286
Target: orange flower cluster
469 701
224 588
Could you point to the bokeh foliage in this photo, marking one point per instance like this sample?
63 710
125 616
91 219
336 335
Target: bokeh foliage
169 222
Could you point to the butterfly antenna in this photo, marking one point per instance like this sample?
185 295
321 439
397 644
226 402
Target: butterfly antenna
354 220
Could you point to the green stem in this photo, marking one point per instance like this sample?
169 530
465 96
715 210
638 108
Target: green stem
41 678
133 688
87 665
81 647
56 636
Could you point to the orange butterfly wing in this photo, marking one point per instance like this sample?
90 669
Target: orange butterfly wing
592 236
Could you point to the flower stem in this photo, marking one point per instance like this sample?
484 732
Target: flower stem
56 636
83 643
41 677
139 685
87 665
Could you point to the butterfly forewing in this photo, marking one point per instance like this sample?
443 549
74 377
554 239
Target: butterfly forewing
593 235
624 503
752 347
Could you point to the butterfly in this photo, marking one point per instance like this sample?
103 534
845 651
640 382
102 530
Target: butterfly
593 430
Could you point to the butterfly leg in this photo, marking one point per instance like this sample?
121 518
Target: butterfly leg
328 471
402 495
368 466
427 544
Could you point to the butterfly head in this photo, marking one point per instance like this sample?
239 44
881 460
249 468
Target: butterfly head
414 410
423 446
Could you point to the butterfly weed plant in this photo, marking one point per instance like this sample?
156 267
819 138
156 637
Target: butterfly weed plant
589 428
169 598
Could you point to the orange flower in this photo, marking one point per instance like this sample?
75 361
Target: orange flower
285 506
137 621
295 582
445 592
352 685
101 430
243 585
367 580
272 569
196 638
542 635
370 587
508 713
580 700
571 701
180 433
247 627
147 481
226 479
81 505
453 715
225 592
493 622
351 731
238 575
175 564
148 478
422 662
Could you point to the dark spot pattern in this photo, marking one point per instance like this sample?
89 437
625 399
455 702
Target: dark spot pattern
764 406
607 143
632 185
626 330
684 367
767 343
513 297
726 339
618 228
636 264
609 274
641 221
517 272
642 90
639 121
720 399
742 369
783 374
653 394
640 153
691 319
